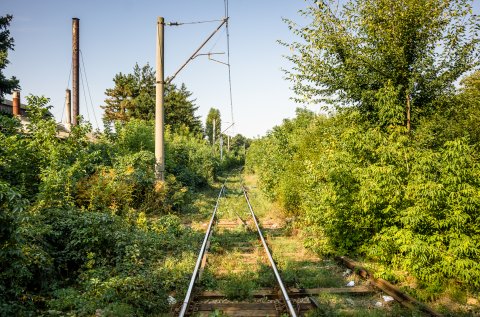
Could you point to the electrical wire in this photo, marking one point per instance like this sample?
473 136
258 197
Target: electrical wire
215 43
84 95
194 22
228 61
88 89
226 21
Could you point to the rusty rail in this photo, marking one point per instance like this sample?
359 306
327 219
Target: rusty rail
388 288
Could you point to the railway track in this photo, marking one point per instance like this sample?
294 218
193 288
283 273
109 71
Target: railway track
273 302
252 254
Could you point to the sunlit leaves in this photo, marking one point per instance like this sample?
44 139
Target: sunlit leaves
361 188
373 54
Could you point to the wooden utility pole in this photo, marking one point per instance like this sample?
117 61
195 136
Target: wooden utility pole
68 108
159 108
76 69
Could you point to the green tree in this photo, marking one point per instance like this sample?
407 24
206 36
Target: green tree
239 143
119 103
180 109
390 59
133 96
6 43
210 131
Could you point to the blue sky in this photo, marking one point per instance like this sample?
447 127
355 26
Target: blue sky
114 35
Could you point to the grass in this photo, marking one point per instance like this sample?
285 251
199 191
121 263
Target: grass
237 264
343 306
239 286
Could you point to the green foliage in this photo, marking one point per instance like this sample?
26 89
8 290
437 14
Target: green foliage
189 158
358 180
116 264
370 50
85 228
238 286
437 233
180 110
12 259
133 97
361 188
6 43
213 133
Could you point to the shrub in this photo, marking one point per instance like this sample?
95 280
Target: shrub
378 191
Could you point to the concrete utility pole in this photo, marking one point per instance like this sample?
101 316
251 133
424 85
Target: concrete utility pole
213 134
221 147
159 92
68 109
159 108
76 69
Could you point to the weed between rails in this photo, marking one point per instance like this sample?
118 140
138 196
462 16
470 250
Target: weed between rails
237 265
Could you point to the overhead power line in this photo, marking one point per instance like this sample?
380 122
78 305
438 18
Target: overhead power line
224 21
88 88
194 22
228 62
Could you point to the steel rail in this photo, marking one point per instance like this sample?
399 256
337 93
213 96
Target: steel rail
203 248
272 262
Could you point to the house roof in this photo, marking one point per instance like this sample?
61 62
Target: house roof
6 106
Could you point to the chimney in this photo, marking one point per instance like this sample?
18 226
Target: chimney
76 69
16 103
68 109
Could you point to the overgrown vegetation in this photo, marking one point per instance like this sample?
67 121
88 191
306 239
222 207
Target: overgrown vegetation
6 43
392 172
85 227
133 97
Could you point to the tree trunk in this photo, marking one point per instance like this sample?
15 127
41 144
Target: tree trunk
408 112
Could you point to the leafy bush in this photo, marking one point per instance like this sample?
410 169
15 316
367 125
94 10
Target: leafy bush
378 191
116 266
85 228
14 274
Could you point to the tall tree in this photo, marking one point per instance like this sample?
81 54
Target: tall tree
133 96
212 128
6 43
120 104
389 58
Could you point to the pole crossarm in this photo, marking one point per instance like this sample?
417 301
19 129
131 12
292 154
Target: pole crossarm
231 125
169 80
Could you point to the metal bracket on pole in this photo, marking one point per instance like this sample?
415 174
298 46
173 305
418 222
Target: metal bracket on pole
160 89
197 50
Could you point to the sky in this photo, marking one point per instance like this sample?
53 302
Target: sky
116 34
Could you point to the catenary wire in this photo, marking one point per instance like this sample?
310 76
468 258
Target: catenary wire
84 95
228 62
88 89
194 22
